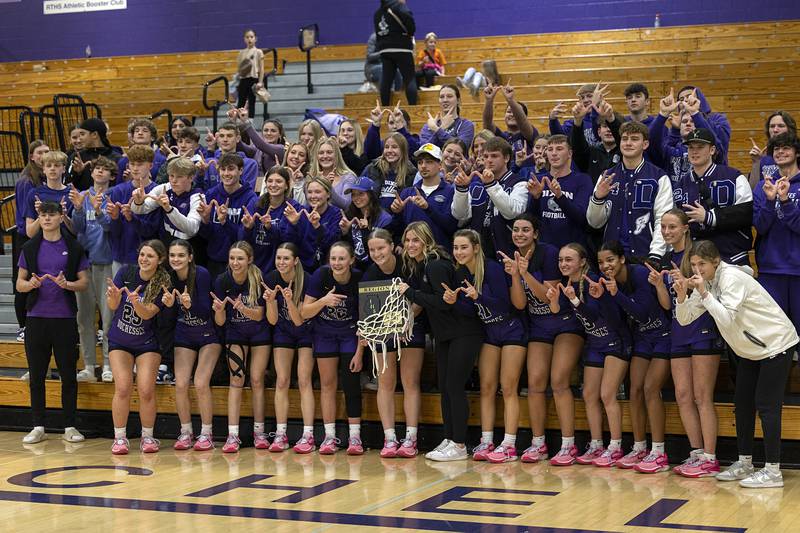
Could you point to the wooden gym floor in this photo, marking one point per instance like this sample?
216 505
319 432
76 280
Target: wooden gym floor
58 486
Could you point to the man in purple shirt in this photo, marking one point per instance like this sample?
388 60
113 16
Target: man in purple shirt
52 268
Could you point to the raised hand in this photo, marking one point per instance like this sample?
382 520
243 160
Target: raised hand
487 176
168 298
433 122
269 294
596 289
553 292
398 204
655 277
77 163
291 214
696 212
133 295
692 103
782 186
138 195
604 185
35 281
448 119
579 111
163 201
345 224
185 298
755 152
490 91
376 115
568 290
535 187
520 156
76 197
332 299
222 211
112 210
247 220
523 261
510 265
112 291
553 185
610 284
508 91
599 94
606 111
313 217
97 202
559 109
126 210
450 296
205 209
216 303
668 104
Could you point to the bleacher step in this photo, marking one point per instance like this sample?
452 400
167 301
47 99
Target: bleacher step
325 66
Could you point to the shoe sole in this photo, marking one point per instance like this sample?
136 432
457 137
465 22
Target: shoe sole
562 464
773 485
504 460
119 453
448 459
698 476
533 461
355 452
660 469
302 452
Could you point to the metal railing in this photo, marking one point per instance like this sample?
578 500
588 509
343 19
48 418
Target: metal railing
163 113
8 221
214 108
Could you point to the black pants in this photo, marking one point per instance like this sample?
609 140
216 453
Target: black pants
455 360
20 298
404 62
351 385
245 92
58 336
760 386
425 77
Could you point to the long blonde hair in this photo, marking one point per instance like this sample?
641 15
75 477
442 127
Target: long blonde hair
315 128
254 277
582 254
402 166
480 260
161 278
358 149
423 231
340 167
299 273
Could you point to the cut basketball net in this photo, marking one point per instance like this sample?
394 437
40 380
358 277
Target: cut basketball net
392 322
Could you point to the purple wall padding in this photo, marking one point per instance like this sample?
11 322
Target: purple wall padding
156 26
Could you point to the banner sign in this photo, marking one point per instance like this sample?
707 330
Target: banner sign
58 7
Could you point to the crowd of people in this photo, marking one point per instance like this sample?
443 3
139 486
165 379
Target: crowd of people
620 243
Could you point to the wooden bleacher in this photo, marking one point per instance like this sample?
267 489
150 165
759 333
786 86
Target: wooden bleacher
745 70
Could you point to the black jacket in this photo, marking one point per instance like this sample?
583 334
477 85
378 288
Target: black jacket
391 34
83 180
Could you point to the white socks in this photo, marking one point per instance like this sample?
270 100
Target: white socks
615 444
280 429
538 441
330 430
411 432
308 429
746 459
567 442
186 429
774 468
595 444
147 432
205 429
119 433
389 435
658 447
355 431
233 430
487 436
258 427
509 440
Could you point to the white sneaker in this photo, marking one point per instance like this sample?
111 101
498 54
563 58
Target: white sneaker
442 445
107 376
763 479
72 435
450 453
25 377
87 375
738 470
21 334
99 337
36 435
371 384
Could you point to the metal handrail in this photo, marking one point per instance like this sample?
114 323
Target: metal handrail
161 113
8 223
219 103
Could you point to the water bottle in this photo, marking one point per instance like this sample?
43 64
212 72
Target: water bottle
657 21
88 51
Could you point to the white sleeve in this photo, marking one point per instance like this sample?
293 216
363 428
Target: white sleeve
461 208
512 204
688 311
598 211
189 224
664 202
149 204
732 294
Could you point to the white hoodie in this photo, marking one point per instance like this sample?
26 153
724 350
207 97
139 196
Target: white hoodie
750 321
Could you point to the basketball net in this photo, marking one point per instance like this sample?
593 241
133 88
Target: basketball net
393 322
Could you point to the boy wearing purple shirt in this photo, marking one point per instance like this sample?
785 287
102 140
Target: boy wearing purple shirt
52 267
227 138
519 129
53 190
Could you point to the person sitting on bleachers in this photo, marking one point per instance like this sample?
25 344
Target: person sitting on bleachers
763 164
593 160
718 122
637 99
351 143
589 94
430 62
448 122
227 138
398 121
268 147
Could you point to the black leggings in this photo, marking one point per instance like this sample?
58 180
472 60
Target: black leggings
403 61
351 385
760 386
455 360
426 77
245 92
58 336
20 298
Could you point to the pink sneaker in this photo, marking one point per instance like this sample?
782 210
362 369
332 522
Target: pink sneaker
231 444
482 450
632 459
502 454
689 461
407 449
149 445
328 446
535 454
184 442
354 446
702 468
305 444
590 454
389 450
260 441
204 443
608 458
654 462
565 456
279 444
120 446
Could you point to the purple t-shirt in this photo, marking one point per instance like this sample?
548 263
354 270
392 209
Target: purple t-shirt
238 326
343 316
127 328
53 301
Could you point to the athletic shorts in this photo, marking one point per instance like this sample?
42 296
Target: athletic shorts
292 336
339 344
184 338
510 332
652 347
260 336
546 330
417 339
594 355
700 347
135 352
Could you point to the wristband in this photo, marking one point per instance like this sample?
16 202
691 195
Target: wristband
575 301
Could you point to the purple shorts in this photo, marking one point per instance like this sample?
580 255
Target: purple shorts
335 344
260 337
195 338
547 329
135 352
699 347
291 336
652 347
595 353
509 332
